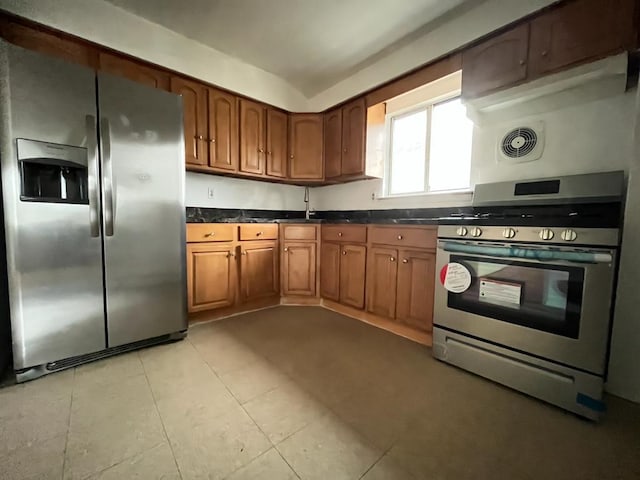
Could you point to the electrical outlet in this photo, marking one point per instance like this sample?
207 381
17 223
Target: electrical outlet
210 193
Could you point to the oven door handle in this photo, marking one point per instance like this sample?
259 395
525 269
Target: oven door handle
540 254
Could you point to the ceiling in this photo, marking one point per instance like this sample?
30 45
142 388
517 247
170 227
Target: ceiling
312 44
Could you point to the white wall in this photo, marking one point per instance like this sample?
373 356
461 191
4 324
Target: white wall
624 365
113 27
238 193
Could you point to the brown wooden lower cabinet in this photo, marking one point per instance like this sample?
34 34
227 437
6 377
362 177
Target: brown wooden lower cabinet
211 276
299 268
330 271
382 275
416 283
259 276
353 260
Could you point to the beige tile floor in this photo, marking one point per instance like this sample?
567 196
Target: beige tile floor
295 392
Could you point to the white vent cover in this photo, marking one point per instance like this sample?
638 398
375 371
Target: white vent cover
521 144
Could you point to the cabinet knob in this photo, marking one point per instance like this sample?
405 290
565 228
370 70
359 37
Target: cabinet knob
521 62
291 156
258 234
244 252
261 150
544 53
268 152
200 137
345 150
339 234
210 234
231 254
286 249
392 259
344 252
404 260
213 140
399 237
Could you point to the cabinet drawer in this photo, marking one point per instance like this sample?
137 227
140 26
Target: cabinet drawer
403 236
299 232
259 231
210 232
344 233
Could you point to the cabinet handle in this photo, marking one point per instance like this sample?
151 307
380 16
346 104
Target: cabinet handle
404 260
210 234
392 259
399 237
213 140
339 234
344 252
544 53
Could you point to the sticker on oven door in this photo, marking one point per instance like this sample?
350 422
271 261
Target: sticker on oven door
455 277
501 293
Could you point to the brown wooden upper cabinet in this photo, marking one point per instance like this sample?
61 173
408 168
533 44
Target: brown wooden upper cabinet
305 147
48 43
194 101
223 130
577 31
277 132
499 62
344 140
252 137
137 72
354 121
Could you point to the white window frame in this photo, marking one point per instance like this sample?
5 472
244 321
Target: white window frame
428 106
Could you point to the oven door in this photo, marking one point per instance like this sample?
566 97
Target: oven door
554 303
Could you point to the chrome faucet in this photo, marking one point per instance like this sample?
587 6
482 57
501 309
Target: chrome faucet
306 203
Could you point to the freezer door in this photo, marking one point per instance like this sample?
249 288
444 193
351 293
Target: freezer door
142 154
54 256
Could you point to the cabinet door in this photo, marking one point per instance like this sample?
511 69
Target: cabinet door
48 43
579 31
252 133
416 282
277 125
194 104
299 264
211 276
354 120
330 271
382 274
305 147
223 130
259 270
133 71
333 144
499 62
352 275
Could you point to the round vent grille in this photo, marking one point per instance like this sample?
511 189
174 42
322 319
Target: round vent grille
519 142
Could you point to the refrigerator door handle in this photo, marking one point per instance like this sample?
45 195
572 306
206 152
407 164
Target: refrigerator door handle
92 175
107 176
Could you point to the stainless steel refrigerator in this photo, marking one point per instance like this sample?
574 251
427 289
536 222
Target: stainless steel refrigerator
93 191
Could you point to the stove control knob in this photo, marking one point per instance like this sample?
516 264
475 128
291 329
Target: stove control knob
508 233
569 235
476 232
461 231
546 234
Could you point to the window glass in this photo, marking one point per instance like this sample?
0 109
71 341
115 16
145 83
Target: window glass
450 149
408 150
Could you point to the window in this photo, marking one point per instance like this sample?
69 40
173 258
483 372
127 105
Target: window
429 149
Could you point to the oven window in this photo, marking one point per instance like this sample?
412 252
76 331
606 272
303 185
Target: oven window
544 297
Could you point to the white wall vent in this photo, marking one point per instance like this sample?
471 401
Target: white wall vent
524 143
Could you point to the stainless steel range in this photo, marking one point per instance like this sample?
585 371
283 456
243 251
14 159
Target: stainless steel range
526 287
